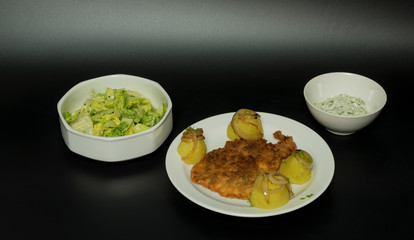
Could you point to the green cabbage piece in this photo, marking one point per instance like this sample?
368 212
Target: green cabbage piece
117 112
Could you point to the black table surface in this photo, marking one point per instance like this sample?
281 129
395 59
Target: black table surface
211 58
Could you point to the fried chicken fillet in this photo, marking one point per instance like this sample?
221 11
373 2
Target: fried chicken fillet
232 170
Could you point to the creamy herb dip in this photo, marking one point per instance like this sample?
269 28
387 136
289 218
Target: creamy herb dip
344 105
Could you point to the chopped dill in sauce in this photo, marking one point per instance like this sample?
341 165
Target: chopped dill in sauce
344 105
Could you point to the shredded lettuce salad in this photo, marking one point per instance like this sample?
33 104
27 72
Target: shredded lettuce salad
117 112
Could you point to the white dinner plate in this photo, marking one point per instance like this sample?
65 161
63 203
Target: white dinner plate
215 133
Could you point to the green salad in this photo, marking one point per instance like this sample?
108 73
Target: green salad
117 112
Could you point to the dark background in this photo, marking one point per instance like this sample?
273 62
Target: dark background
212 57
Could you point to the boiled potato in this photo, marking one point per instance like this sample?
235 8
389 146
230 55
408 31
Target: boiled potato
294 170
192 147
185 148
248 123
231 134
275 199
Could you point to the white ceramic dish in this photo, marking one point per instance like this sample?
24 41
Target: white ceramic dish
328 85
114 149
215 136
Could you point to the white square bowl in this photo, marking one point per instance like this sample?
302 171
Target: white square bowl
115 149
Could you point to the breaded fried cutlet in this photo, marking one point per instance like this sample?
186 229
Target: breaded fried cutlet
232 170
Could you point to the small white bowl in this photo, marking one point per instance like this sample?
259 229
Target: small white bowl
115 149
329 85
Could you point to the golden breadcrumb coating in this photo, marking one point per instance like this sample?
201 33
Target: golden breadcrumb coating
232 170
